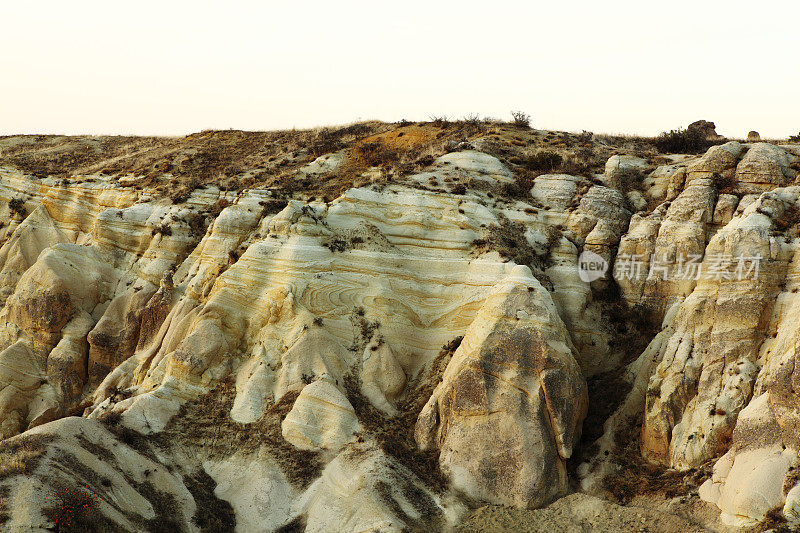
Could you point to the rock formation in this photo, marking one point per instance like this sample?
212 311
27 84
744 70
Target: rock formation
156 351
705 128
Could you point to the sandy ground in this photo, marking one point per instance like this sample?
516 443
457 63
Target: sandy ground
583 513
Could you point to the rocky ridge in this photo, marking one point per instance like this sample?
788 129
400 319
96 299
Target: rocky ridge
293 330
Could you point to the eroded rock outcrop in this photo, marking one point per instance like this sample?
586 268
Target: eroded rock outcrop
510 406
325 316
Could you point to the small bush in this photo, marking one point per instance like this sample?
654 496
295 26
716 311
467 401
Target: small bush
521 119
336 244
272 206
631 179
473 119
325 142
72 509
164 229
682 141
459 189
197 224
521 187
218 206
544 160
440 121
17 206
725 184
182 193
795 138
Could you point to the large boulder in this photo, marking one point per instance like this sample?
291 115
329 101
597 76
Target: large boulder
764 167
708 130
718 160
555 191
509 409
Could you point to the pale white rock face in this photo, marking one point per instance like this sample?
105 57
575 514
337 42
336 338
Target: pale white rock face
765 167
257 490
665 182
748 480
702 370
476 164
321 418
618 166
752 478
667 234
725 208
324 164
637 200
382 378
555 191
514 377
597 224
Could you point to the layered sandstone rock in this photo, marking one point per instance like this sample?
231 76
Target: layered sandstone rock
122 307
321 418
764 167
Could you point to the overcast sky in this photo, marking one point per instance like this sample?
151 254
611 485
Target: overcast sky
171 67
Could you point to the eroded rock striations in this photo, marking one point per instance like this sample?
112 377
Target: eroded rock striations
321 322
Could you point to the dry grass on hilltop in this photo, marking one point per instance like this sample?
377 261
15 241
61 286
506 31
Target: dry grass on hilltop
375 153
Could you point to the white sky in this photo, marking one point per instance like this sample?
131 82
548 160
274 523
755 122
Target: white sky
172 67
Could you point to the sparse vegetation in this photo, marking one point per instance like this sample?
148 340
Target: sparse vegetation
213 515
363 329
395 435
521 119
440 121
634 476
272 206
4 516
218 206
725 183
21 455
508 239
207 423
373 154
775 522
680 141
473 119
545 160
163 229
631 179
